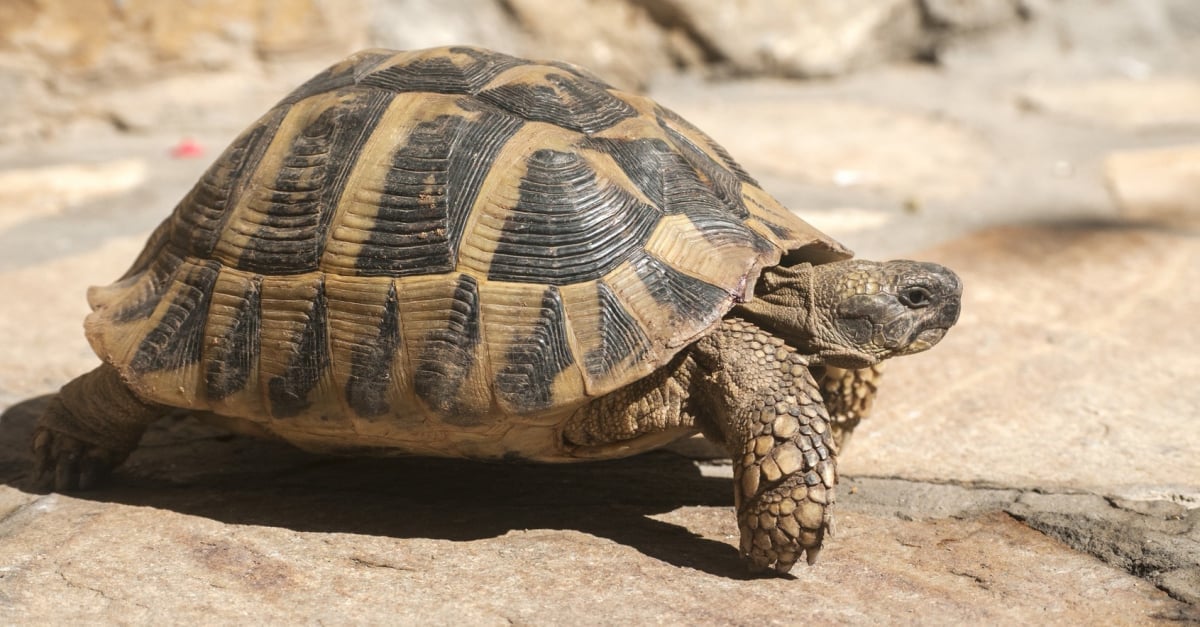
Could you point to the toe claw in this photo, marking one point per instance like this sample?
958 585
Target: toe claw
784 524
41 456
63 463
810 554
66 472
92 472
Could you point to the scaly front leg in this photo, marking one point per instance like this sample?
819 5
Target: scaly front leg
849 395
763 401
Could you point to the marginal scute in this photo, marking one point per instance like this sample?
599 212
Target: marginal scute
177 337
233 326
672 308
795 238
295 354
620 336
690 299
136 295
535 350
364 342
717 250
609 343
442 329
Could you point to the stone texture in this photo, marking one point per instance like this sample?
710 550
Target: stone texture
812 38
1158 540
843 143
1068 366
412 24
105 61
37 191
206 527
1144 103
62 62
617 39
1155 183
972 14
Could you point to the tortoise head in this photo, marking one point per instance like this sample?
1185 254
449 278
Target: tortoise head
856 313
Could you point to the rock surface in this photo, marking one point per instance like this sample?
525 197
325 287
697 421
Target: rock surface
1068 366
216 528
130 64
1134 103
1037 467
813 38
1155 183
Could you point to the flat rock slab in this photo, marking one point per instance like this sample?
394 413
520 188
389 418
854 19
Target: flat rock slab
1072 364
200 526
1146 103
838 142
1156 183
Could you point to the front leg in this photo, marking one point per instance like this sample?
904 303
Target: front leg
763 402
849 395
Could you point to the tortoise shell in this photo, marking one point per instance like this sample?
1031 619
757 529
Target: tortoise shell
414 249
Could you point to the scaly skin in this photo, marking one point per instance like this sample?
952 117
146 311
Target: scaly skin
89 428
849 395
763 399
749 390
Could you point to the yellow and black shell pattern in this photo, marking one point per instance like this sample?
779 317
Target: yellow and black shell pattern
449 239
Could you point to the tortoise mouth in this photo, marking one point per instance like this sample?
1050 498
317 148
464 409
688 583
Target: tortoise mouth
925 340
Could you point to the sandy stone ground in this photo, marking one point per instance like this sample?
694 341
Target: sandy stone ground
1041 465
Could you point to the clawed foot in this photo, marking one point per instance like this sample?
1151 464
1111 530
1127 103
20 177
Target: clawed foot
786 522
67 464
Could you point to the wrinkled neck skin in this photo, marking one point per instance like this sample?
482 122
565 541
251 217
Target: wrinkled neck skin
783 304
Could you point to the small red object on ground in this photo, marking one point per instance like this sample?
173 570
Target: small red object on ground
187 148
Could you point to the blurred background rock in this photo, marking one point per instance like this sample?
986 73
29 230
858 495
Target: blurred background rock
136 64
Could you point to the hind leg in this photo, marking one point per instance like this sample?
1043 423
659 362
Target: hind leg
89 428
849 396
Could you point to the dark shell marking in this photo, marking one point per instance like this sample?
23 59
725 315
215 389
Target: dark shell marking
339 260
229 360
567 227
450 354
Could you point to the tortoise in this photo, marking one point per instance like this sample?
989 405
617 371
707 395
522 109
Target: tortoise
456 252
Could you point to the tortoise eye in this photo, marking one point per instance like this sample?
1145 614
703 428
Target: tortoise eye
916 297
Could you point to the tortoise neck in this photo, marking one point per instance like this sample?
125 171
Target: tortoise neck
783 305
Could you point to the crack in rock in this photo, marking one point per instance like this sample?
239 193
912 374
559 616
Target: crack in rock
1158 541
370 563
99 592
1155 540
